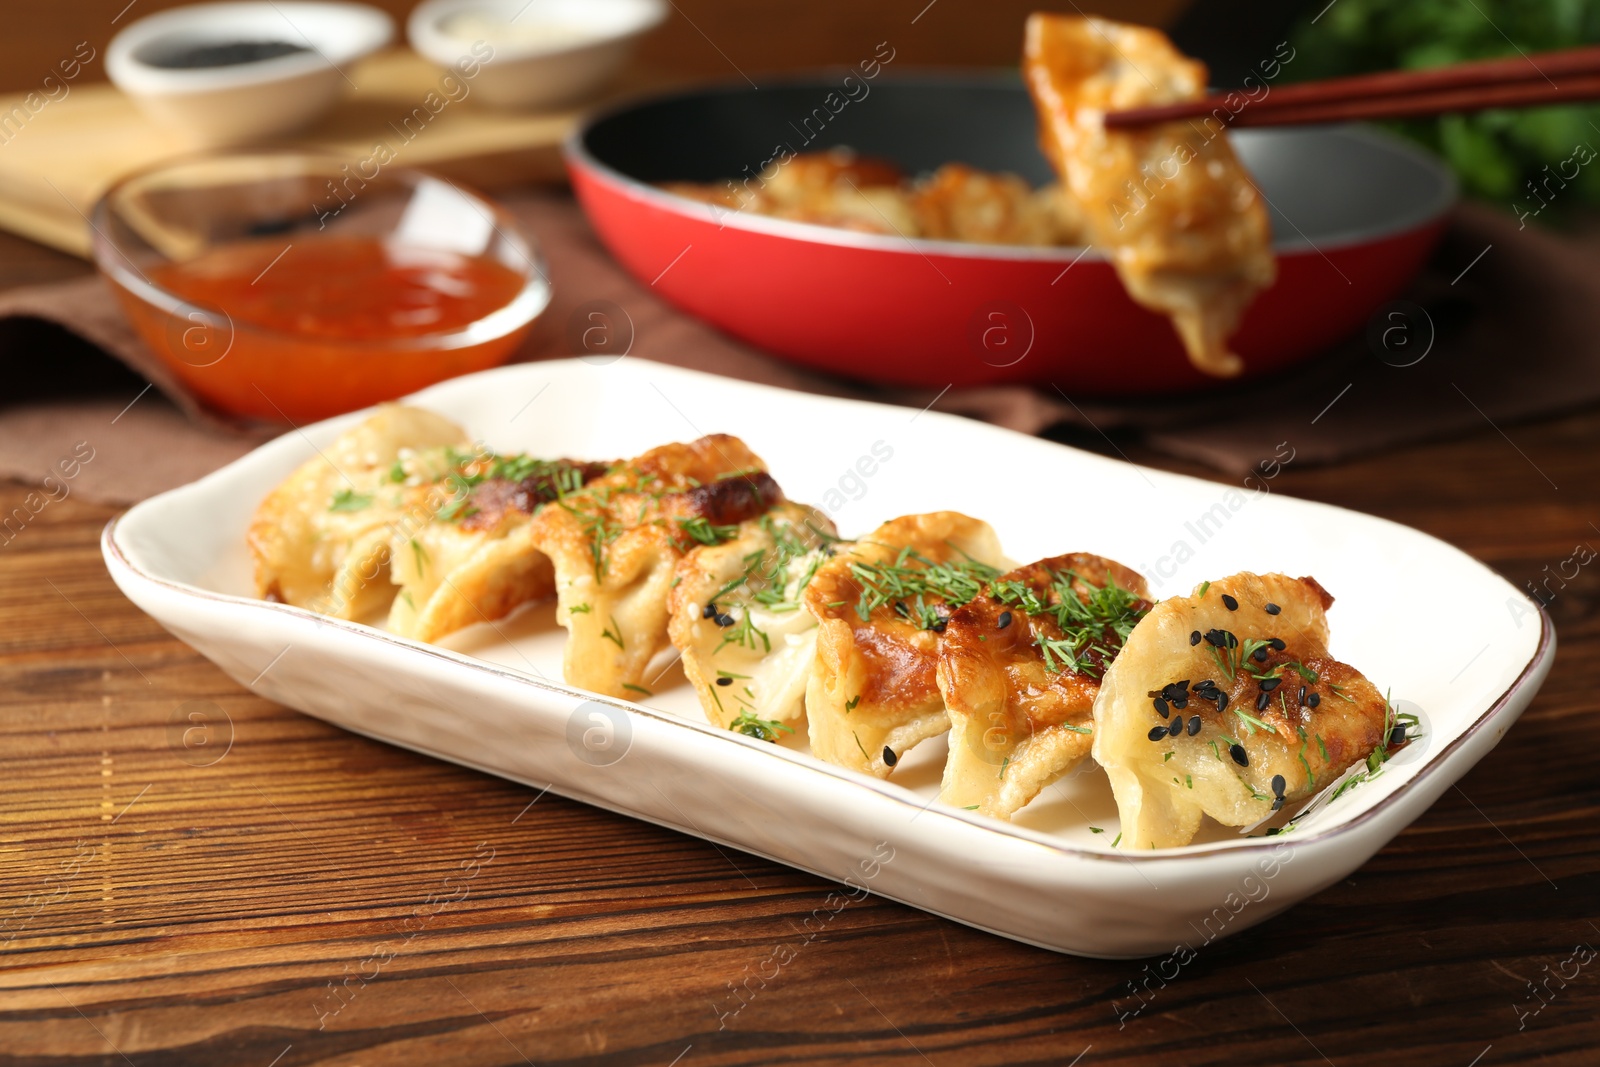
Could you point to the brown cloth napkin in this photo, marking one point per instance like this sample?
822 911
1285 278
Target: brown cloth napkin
1508 320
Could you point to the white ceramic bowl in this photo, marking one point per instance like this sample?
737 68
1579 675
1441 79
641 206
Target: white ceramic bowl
241 103
541 53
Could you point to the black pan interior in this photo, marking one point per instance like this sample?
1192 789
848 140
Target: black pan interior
917 123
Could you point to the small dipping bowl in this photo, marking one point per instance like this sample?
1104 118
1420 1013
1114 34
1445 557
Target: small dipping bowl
285 287
533 53
228 74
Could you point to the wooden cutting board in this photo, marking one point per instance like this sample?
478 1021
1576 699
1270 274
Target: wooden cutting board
56 166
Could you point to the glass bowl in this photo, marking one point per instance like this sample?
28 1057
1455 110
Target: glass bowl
285 287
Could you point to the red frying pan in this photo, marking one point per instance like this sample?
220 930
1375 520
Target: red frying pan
1355 213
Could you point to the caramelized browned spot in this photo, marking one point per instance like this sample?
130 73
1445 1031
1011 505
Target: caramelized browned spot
492 500
733 500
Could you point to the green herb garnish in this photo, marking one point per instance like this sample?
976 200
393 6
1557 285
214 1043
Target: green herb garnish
350 500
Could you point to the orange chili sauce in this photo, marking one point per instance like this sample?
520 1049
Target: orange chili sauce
309 325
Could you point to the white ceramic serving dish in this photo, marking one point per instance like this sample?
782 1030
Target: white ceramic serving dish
543 53
214 107
1456 643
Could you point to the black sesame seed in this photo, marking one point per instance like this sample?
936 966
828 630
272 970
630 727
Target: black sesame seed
724 680
1194 638
1161 707
1277 804
1216 638
1181 704
1278 785
1233 641
1262 700
1157 733
710 612
1276 643
726 620
1271 609
1259 655
1004 620
889 758
1269 684
1204 683
1239 755
939 627
1302 696
1397 736
1313 700
1176 727
1194 725
1222 701
1229 603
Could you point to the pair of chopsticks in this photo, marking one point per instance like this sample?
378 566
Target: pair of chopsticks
1565 76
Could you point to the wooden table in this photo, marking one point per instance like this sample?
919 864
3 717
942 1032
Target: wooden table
237 889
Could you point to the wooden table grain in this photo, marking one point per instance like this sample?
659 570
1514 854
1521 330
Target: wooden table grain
190 875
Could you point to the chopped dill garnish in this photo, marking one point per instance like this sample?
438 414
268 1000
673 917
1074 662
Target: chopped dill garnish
636 688
751 725
706 532
911 577
1094 620
580 609
1393 717
617 637
421 556
850 705
397 472
349 500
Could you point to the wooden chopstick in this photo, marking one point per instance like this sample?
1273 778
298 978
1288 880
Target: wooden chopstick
1565 76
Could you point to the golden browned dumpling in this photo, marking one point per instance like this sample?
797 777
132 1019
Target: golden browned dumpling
321 539
1227 703
881 607
1019 670
961 203
739 618
1171 204
472 559
615 546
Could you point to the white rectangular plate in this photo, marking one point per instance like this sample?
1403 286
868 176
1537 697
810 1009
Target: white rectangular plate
1454 641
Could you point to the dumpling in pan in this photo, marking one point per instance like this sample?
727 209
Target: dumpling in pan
321 539
1227 703
461 552
881 607
616 544
739 618
1019 670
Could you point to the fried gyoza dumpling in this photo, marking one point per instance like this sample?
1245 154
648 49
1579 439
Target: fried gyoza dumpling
1171 204
321 539
738 616
960 203
1236 684
616 544
881 607
461 553
1019 670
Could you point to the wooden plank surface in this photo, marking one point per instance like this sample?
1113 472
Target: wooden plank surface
192 875
55 166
